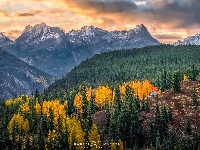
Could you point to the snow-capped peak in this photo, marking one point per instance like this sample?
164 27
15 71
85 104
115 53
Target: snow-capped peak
140 28
27 29
40 32
87 31
40 26
191 40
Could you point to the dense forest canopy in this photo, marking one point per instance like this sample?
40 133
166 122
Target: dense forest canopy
135 64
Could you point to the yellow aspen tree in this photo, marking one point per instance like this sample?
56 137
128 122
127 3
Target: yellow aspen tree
88 93
103 94
121 145
185 77
113 145
94 138
78 102
24 108
76 135
25 125
17 121
37 108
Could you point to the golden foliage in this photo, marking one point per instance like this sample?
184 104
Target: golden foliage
121 145
113 145
18 100
17 121
51 135
94 138
140 89
24 108
185 78
88 93
103 94
38 108
75 132
78 101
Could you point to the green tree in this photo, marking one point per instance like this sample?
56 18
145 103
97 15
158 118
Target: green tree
176 87
194 99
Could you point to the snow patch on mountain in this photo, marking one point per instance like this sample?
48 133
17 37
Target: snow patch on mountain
191 40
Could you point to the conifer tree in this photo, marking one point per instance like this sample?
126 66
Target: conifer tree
176 87
169 114
108 116
188 126
194 99
117 99
150 132
196 139
84 101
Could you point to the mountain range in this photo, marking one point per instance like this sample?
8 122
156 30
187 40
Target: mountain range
18 77
191 40
42 52
55 52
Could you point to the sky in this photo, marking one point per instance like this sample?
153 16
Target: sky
166 20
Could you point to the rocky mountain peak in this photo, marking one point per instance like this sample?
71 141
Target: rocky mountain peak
191 40
39 32
41 26
27 29
140 29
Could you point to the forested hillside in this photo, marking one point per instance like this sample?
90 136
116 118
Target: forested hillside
135 64
127 116
98 105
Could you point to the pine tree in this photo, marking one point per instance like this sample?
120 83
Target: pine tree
84 101
150 132
176 87
196 139
169 114
194 99
193 73
147 107
108 116
117 99
188 127
158 118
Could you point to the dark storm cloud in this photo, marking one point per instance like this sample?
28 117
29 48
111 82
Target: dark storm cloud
180 14
168 36
104 6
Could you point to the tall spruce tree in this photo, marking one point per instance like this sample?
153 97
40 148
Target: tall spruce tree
176 87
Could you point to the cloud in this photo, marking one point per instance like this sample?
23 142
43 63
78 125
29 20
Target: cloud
101 6
168 36
3 13
166 20
12 34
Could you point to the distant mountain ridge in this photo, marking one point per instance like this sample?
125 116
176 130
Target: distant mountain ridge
4 40
18 77
55 52
191 40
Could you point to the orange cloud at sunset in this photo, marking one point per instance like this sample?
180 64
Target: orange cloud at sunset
166 20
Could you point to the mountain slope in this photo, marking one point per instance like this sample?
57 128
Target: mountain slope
191 40
56 53
4 40
44 47
124 65
18 77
